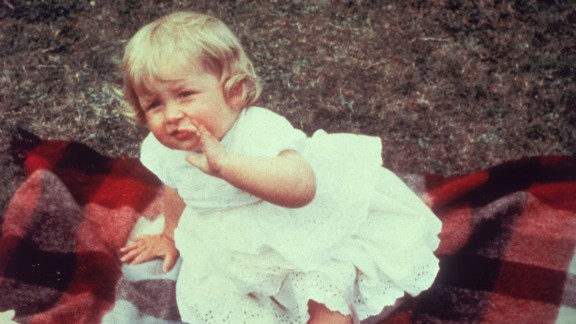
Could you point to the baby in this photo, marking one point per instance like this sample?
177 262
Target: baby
272 226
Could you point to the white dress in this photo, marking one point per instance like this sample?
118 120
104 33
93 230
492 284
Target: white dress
361 243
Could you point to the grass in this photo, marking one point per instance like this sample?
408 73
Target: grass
450 86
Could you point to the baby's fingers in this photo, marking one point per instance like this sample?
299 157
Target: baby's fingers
169 262
137 256
208 141
135 248
135 243
142 257
129 247
131 255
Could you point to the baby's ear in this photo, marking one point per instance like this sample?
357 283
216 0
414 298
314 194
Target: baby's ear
235 96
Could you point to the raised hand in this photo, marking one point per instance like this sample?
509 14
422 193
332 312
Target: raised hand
147 247
258 176
212 155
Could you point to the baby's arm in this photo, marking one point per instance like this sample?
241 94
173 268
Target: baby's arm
173 208
148 247
286 180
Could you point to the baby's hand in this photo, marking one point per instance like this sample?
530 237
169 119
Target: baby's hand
148 247
212 156
7 316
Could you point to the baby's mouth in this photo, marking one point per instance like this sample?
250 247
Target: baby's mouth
184 133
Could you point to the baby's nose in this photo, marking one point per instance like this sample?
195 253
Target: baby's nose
173 112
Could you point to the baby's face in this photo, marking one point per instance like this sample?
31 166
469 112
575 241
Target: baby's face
185 95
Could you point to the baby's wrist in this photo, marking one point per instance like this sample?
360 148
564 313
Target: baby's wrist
224 165
165 236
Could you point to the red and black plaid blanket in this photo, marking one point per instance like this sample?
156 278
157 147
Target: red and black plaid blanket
506 252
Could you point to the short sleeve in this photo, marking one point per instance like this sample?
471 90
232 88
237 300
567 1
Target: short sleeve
262 132
153 155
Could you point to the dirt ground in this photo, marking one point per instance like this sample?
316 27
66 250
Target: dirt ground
450 86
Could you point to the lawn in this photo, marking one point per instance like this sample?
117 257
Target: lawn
450 86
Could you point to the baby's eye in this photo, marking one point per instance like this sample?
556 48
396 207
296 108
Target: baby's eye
153 105
186 94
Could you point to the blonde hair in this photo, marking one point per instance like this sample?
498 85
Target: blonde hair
197 37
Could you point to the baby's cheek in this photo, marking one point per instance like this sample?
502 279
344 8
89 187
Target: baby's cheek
208 121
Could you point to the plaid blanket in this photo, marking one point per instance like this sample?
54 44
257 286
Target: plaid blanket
506 251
